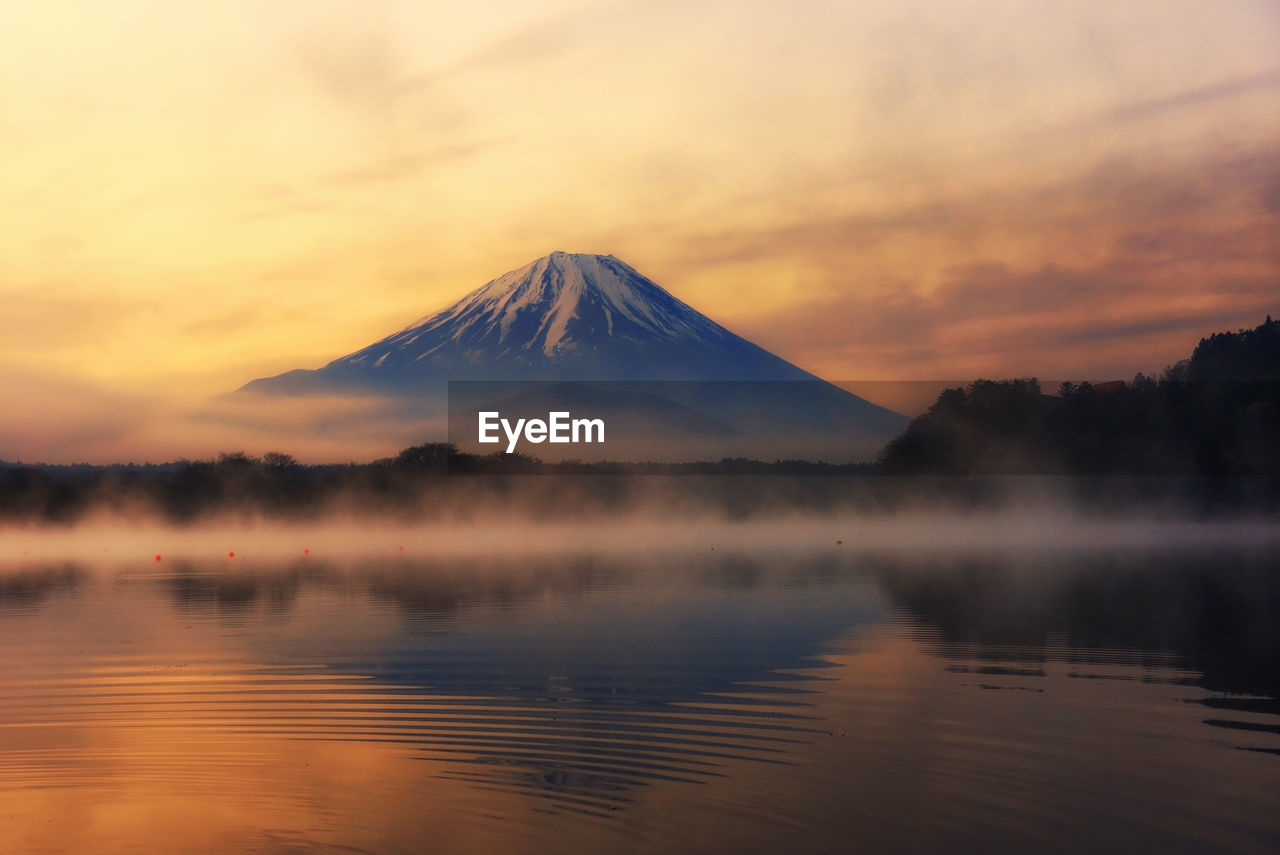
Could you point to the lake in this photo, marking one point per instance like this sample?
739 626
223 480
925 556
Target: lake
673 697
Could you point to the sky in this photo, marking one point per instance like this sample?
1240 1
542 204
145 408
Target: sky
199 194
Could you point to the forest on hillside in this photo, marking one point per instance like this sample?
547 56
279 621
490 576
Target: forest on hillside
1214 415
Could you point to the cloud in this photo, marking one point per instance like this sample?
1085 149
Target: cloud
1234 87
1048 321
237 320
355 63
1131 256
1197 325
539 41
48 314
402 166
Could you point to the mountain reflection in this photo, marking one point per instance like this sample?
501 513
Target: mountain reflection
201 590
850 692
26 588
571 678
1215 614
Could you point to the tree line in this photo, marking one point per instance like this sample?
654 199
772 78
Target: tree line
1205 431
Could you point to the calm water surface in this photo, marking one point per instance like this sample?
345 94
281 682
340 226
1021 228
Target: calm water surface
822 701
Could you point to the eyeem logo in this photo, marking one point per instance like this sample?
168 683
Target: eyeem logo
558 428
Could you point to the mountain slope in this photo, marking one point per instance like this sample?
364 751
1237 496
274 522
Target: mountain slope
561 317
663 371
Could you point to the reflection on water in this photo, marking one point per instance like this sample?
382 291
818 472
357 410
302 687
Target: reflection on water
702 702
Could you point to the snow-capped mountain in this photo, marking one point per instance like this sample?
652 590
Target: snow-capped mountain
561 317
652 362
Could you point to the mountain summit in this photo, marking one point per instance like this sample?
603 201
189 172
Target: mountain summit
565 316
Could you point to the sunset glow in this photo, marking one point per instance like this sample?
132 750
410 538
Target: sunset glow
201 194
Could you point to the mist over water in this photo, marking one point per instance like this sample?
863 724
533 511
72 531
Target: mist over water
109 540
960 682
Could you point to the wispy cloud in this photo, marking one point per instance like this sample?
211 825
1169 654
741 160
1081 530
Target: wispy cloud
1129 255
1262 81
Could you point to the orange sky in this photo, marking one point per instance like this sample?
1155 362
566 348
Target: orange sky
200 194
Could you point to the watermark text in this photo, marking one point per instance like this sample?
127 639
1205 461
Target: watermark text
559 427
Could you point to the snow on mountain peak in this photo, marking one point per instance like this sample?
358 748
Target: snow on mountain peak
564 301
564 316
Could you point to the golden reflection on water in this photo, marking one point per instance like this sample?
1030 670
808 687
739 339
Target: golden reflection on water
702 705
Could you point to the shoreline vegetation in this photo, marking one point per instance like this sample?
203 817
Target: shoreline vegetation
1204 437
